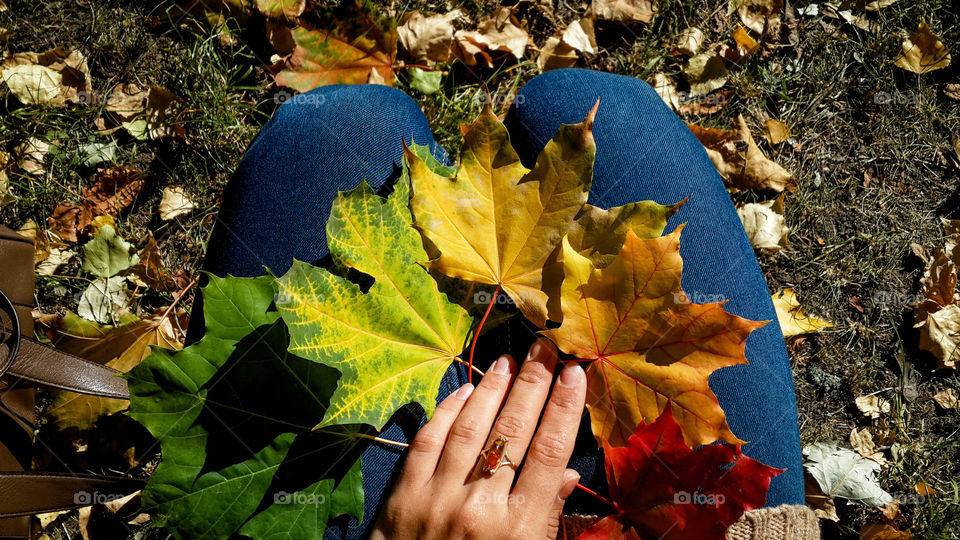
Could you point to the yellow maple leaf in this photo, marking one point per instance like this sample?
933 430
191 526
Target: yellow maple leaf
497 222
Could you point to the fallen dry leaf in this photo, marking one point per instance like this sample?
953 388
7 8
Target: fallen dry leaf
877 5
937 316
940 334
561 51
127 101
923 51
63 221
746 45
705 73
627 11
163 106
54 77
174 203
892 511
823 505
884 532
709 104
144 113
581 37
861 439
499 33
150 269
555 54
113 190
6 196
764 224
119 347
31 155
49 517
948 399
56 257
776 131
740 161
688 42
761 16
667 90
872 406
792 318
952 91
428 38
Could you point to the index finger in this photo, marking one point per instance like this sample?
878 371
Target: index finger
552 446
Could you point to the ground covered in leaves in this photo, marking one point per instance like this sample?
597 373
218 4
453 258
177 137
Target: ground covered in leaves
870 149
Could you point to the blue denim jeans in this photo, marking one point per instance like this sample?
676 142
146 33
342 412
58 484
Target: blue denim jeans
276 206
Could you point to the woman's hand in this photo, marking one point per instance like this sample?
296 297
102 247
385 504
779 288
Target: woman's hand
443 492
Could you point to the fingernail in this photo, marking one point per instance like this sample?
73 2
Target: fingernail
570 480
464 392
571 375
502 366
535 350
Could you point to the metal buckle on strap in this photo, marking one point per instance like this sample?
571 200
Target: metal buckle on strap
9 337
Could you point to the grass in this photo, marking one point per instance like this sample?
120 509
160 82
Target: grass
850 240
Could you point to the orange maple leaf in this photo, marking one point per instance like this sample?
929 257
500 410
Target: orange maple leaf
646 344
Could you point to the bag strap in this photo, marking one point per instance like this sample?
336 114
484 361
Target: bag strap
25 493
40 364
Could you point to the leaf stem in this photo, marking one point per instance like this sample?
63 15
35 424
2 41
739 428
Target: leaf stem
585 489
472 368
381 440
473 346
179 296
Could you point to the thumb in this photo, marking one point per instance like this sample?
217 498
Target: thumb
570 479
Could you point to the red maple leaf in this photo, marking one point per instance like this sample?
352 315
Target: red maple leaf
664 489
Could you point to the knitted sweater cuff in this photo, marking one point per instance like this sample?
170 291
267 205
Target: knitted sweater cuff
786 522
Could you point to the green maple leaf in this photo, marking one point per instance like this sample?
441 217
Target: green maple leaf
233 413
392 343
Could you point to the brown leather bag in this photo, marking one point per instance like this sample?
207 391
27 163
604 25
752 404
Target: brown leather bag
24 364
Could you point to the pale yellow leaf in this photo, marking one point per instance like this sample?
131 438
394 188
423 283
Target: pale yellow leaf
501 32
33 84
667 90
940 334
580 36
174 203
872 406
764 224
793 320
688 41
